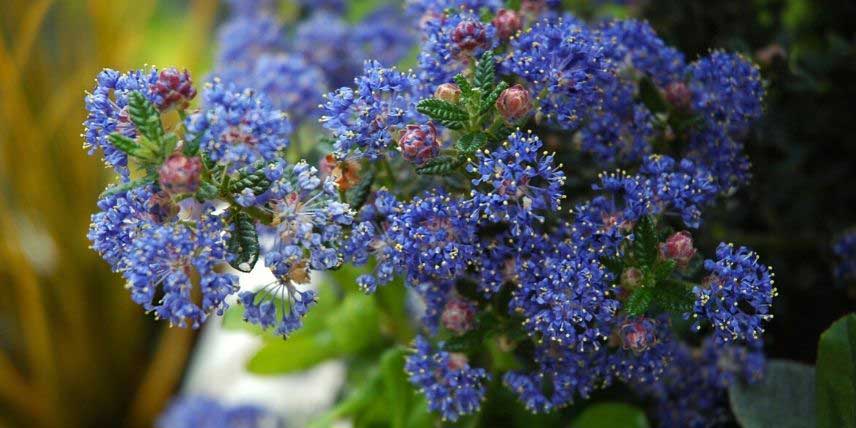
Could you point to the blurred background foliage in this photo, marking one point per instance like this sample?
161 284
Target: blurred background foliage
75 351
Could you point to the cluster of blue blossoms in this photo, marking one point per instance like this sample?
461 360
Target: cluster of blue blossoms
201 411
453 177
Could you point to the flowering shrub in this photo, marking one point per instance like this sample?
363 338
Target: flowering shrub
466 179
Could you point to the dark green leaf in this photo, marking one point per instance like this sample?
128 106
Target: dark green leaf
467 342
244 242
836 375
357 196
124 187
446 113
252 178
662 269
645 242
396 389
292 355
145 117
464 84
123 143
611 415
651 97
500 133
470 143
484 75
639 301
442 165
783 399
614 264
673 296
512 4
207 191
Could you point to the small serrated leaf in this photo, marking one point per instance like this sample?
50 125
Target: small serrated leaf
639 301
124 187
464 84
471 142
614 264
357 196
446 113
662 269
244 242
442 165
484 75
645 242
123 143
500 133
673 296
145 116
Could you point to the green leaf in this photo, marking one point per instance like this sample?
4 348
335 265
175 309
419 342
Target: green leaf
207 191
123 143
488 101
396 389
444 112
466 87
611 415
651 97
357 196
673 296
467 342
484 75
145 117
614 264
470 143
500 133
836 375
645 242
662 269
441 165
512 4
124 187
783 399
244 242
293 355
639 301
252 178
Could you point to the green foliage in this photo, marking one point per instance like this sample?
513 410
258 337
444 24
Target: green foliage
243 242
639 301
651 96
446 113
484 74
471 143
783 399
645 242
441 165
499 132
357 196
124 187
611 415
123 143
836 375
252 178
145 117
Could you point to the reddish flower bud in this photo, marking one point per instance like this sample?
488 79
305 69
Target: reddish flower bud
514 103
419 144
469 35
678 247
638 335
173 89
180 174
679 96
448 92
458 316
507 23
631 278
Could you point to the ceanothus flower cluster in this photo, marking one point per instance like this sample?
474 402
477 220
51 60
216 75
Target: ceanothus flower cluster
470 179
198 411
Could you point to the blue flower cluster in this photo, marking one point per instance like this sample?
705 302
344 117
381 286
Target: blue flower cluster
200 411
453 178
845 250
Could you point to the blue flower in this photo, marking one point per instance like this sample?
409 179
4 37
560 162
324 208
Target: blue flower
107 105
737 295
565 63
681 187
845 251
727 88
636 49
441 57
290 83
246 36
334 6
381 37
521 181
369 237
162 260
569 299
238 128
450 385
435 236
328 42
122 217
364 121
261 307
200 411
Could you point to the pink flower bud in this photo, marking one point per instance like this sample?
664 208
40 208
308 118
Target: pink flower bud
469 35
514 103
679 96
638 335
180 174
448 92
419 144
458 316
507 23
678 247
631 278
173 89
